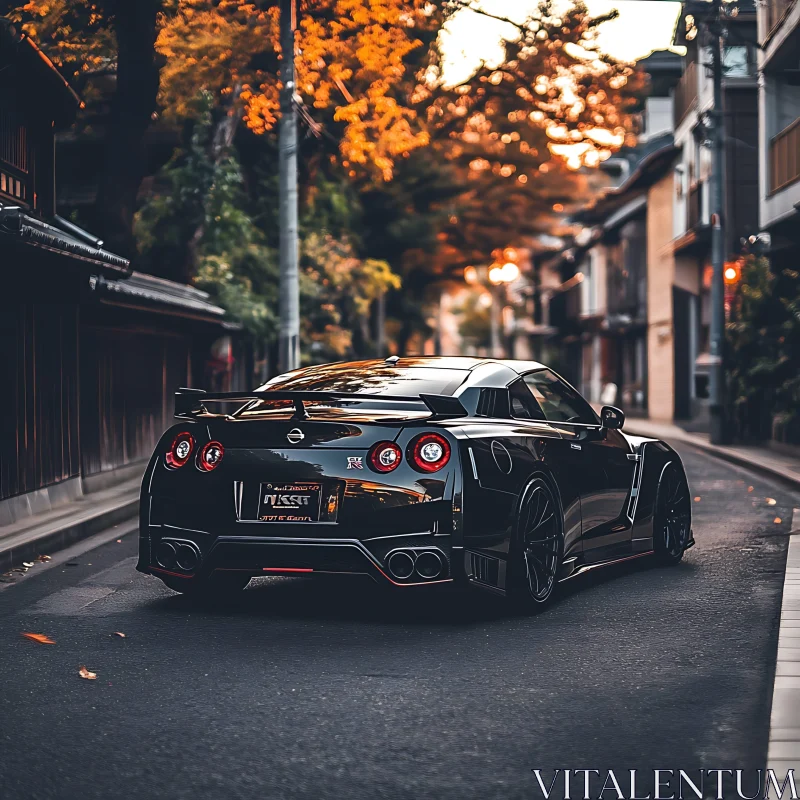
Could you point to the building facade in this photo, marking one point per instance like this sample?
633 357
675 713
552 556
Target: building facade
633 330
693 100
92 350
779 136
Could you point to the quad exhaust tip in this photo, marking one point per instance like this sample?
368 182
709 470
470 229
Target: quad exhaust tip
166 555
425 564
401 565
187 557
428 565
182 555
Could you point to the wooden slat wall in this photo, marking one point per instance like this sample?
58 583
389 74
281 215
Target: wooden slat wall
685 93
784 157
39 418
127 383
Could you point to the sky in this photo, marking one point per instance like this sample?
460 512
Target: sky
642 26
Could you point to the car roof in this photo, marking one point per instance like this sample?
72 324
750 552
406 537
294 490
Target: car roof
467 363
478 372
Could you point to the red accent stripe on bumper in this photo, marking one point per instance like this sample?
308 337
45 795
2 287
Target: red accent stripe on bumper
286 569
167 572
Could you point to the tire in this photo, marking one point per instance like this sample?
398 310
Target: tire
537 548
215 586
672 520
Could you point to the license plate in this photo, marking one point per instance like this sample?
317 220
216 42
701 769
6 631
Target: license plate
289 502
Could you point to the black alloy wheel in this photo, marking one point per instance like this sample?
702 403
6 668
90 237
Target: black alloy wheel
537 548
672 522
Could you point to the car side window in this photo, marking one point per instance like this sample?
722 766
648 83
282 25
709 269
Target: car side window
557 399
523 403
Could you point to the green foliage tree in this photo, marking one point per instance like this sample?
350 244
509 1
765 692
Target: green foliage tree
763 341
201 217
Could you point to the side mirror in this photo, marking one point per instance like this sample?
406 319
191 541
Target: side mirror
611 417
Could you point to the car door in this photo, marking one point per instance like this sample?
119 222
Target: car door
561 455
606 472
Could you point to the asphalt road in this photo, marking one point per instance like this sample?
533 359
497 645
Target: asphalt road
333 690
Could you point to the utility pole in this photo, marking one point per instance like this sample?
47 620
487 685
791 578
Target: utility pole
380 326
289 288
496 344
718 430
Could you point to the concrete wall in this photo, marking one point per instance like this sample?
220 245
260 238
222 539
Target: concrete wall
660 279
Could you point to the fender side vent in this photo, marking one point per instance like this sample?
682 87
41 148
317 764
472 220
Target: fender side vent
636 485
483 569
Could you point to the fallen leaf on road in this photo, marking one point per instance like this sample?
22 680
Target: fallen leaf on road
119 541
38 637
84 673
749 488
43 558
120 634
771 501
697 499
27 564
777 520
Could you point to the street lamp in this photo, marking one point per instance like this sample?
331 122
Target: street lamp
507 273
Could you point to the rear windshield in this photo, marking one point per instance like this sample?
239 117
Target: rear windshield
371 379
359 379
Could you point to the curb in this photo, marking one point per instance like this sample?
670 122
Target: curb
27 545
76 550
784 734
724 454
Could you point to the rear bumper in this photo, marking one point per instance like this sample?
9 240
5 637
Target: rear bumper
273 555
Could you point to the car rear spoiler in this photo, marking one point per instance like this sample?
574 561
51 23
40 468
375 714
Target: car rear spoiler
191 402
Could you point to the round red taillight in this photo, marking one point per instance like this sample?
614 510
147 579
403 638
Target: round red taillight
180 450
210 456
385 456
429 452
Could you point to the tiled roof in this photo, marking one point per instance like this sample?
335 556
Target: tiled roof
23 227
148 290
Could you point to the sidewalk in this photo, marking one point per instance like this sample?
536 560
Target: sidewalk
784 736
59 527
770 463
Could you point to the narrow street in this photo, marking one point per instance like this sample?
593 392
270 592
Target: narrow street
329 690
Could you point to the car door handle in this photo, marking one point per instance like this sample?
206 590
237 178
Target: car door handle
575 446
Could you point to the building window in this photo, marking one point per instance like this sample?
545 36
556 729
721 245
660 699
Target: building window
739 61
13 187
13 141
15 158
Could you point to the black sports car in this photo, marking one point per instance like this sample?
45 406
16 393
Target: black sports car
414 471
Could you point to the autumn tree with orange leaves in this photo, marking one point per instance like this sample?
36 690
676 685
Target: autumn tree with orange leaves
352 60
467 168
554 102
